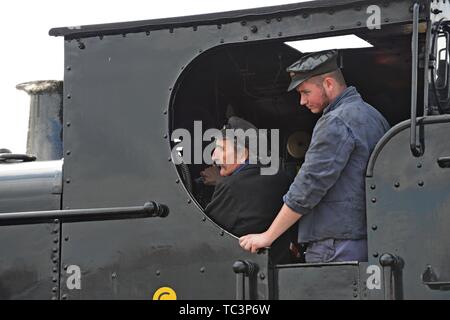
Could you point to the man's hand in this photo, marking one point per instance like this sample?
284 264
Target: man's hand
211 175
253 242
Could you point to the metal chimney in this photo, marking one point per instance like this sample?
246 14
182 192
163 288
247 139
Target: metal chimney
44 138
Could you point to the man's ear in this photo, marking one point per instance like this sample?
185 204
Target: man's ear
329 83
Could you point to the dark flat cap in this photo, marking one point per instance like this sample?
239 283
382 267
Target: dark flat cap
310 65
238 123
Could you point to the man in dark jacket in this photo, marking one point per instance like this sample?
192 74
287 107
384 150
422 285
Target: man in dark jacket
244 201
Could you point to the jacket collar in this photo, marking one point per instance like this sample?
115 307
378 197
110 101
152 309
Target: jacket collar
349 92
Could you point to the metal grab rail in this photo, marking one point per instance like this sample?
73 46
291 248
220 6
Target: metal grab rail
416 147
148 210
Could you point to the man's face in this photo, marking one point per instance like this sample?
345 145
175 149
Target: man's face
225 156
313 96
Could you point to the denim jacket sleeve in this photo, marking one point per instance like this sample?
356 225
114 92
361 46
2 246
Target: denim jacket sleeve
331 146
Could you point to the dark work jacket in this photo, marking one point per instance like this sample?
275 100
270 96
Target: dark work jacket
248 202
329 190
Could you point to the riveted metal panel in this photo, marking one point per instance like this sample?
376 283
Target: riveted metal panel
333 281
407 205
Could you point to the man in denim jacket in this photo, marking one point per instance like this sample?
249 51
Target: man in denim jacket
328 193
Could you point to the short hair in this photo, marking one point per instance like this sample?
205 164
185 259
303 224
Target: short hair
336 75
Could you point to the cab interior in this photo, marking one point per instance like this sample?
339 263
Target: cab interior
250 80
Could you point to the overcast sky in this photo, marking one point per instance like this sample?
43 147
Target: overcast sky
28 53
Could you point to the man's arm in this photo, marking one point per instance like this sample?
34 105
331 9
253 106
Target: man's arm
325 159
283 221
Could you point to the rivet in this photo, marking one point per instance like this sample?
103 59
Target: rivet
100 37
55 230
64 297
169 159
355 289
54 298
54 289
268 36
397 184
189 201
171 30
66 238
355 283
165 111
67 180
54 279
279 19
262 276
375 255
221 233
55 269
222 41
374 200
55 260
81 46
386 20
69 68
373 187
421 183
56 240
68 153
170 89
355 295
200 51
158 272
69 96
267 21
147 33
194 28
202 269
56 221
244 23
245 37
419 165
177 181
165 136
254 29
358 23
113 275
55 250
331 12
374 227
124 35
68 124
280 34
331 27
204 219
65 267
219 26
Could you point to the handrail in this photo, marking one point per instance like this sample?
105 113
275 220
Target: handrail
416 148
148 210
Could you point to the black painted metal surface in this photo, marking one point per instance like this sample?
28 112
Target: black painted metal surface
331 281
407 206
